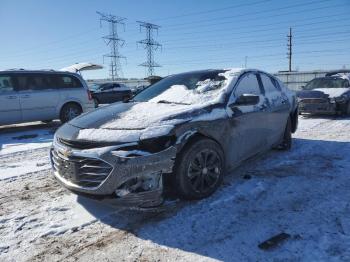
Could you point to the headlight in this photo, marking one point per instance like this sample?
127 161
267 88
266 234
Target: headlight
156 144
340 99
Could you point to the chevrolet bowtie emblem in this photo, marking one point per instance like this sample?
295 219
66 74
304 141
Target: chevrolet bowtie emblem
66 153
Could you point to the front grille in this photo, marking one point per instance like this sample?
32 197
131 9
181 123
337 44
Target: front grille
81 171
82 144
314 101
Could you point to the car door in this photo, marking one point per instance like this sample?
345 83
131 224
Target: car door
248 122
116 93
10 110
277 110
38 96
105 94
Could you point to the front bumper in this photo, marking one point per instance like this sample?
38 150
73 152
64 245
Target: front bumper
100 172
315 106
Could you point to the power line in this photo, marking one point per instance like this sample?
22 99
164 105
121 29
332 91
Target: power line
200 22
114 42
213 10
150 45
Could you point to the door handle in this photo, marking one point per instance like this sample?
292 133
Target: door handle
25 96
11 97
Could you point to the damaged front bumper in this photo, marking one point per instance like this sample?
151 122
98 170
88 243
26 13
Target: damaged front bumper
317 106
127 180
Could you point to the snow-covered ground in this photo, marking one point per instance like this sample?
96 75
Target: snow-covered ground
304 193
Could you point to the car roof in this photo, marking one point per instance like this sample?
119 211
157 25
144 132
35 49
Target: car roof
238 70
41 71
333 77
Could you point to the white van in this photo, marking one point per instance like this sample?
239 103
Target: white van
27 96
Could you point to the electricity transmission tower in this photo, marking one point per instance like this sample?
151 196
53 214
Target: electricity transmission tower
114 42
289 53
150 45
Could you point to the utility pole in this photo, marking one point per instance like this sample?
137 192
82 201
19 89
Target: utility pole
245 61
114 42
290 48
150 45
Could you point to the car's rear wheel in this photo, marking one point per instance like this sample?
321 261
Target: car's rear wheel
286 143
69 111
200 169
348 109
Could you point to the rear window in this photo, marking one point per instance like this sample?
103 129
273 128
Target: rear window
67 81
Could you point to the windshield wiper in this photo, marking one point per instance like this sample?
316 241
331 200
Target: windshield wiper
170 102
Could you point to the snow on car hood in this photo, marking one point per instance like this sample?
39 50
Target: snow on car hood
138 115
332 92
129 122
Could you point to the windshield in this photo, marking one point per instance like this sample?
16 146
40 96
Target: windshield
326 83
186 88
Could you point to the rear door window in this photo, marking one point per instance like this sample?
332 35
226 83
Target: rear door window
6 83
35 82
268 84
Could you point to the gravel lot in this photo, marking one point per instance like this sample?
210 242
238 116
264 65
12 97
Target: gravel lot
304 193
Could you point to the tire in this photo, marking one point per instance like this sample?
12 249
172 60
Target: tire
69 111
286 143
204 160
96 102
347 111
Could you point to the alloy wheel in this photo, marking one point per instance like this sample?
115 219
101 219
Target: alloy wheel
204 170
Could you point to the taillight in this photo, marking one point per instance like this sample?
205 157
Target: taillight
89 95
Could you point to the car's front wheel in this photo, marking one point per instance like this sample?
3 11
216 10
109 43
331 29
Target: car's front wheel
200 169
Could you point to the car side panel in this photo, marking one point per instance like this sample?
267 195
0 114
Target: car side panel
10 109
39 104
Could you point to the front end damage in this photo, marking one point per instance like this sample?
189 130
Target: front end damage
123 174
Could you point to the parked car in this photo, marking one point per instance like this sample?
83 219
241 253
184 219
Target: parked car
27 96
184 132
326 95
107 93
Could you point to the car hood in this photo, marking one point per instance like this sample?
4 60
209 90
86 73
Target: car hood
140 115
322 92
129 122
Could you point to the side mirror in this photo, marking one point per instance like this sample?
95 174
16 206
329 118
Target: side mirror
246 100
302 87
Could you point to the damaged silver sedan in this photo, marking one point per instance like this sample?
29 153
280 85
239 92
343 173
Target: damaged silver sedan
182 134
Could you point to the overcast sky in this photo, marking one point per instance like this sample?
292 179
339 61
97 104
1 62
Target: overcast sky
194 34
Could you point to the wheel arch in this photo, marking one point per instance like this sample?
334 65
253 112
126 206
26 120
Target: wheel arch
70 103
192 138
294 118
